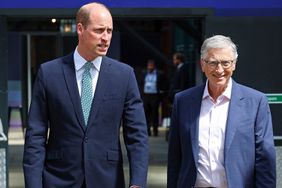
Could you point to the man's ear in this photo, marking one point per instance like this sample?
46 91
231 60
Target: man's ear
234 66
202 64
79 28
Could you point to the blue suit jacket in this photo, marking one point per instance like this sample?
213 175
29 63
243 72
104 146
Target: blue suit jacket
75 152
249 149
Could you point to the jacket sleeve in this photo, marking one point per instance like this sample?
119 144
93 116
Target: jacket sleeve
135 133
174 153
36 135
265 167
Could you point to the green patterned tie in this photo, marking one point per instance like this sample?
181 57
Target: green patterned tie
86 91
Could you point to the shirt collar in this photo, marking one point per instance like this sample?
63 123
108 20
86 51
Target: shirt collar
79 61
180 65
153 72
226 93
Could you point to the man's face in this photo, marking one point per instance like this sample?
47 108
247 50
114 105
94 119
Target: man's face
150 66
218 76
95 38
175 60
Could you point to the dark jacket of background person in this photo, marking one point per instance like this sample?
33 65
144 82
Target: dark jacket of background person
161 81
180 79
183 76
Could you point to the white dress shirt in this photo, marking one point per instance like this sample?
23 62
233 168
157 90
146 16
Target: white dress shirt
212 127
79 62
150 86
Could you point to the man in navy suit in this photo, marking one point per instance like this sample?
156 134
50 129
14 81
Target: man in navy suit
84 150
221 133
181 79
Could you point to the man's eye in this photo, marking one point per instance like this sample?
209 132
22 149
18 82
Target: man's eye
213 63
225 63
109 31
99 31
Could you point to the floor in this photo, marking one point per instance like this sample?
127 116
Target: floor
157 162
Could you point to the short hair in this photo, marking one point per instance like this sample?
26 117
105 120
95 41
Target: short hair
82 15
218 41
151 61
179 56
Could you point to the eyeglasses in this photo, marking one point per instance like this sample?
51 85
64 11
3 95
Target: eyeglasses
224 64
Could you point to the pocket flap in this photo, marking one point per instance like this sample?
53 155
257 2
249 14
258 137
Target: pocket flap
113 155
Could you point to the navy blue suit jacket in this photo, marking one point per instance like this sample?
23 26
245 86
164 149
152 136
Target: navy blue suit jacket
74 153
249 153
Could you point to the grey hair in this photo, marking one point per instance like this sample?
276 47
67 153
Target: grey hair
218 41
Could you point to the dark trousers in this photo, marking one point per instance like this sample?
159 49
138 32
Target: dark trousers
151 107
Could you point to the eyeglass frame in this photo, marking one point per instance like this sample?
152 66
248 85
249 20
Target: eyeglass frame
215 63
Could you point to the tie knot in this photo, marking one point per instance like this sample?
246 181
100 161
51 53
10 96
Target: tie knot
87 66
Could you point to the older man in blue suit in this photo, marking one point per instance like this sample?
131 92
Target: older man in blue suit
83 99
221 132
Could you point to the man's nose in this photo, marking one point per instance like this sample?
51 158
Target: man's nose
219 68
106 35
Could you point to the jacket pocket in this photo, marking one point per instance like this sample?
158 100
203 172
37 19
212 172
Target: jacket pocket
113 155
53 155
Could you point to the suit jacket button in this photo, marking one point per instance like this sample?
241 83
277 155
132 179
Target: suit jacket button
85 139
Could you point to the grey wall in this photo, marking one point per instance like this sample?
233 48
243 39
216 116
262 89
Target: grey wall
3 75
260 54
3 101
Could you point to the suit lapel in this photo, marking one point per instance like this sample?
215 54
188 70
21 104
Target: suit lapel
195 109
101 88
233 119
70 78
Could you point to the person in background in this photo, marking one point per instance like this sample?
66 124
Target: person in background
152 91
82 99
221 133
180 80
